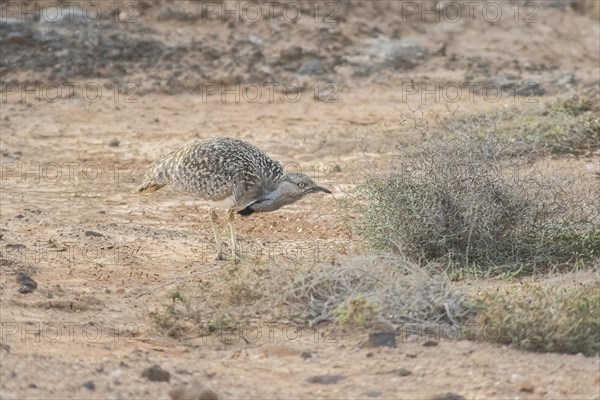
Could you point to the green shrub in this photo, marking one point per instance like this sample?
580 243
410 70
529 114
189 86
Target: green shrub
465 203
357 310
543 319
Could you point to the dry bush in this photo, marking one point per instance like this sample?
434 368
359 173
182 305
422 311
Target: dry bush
544 319
565 126
360 291
463 201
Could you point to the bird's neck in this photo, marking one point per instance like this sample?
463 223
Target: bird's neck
272 199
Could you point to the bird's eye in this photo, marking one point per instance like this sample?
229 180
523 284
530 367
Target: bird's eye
301 184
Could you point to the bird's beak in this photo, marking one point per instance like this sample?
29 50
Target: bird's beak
320 189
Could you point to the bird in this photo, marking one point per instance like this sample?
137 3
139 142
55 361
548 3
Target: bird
228 173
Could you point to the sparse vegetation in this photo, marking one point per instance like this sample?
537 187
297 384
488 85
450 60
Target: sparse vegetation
169 317
464 201
165 318
564 126
357 310
360 291
537 318
377 289
570 126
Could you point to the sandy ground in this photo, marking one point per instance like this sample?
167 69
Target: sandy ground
104 259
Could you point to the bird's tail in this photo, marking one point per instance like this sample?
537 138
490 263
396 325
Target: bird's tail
157 175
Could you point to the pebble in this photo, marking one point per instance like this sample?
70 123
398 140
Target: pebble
192 391
325 379
312 67
28 285
156 374
411 354
93 234
526 386
381 339
400 372
448 396
291 53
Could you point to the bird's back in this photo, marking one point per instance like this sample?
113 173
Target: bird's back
216 169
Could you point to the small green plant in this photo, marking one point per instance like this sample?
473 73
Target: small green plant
357 310
216 324
565 126
170 314
165 318
543 319
176 295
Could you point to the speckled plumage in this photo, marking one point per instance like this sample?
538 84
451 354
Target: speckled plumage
228 173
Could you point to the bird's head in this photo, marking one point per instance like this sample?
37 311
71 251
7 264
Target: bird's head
290 188
296 185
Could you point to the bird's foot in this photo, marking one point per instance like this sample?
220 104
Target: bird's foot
235 257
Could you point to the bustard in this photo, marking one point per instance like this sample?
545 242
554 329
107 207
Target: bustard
228 173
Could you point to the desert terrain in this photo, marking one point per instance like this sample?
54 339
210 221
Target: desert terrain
90 100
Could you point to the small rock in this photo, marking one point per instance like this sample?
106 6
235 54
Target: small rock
32 386
531 88
255 40
114 143
482 359
400 372
182 372
93 234
89 385
369 354
565 80
395 53
372 393
123 364
312 67
448 396
28 285
526 386
156 374
5 347
430 343
325 379
193 391
411 354
381 339
291 54
305 355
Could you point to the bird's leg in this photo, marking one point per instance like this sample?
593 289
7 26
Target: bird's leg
213 223
230 216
